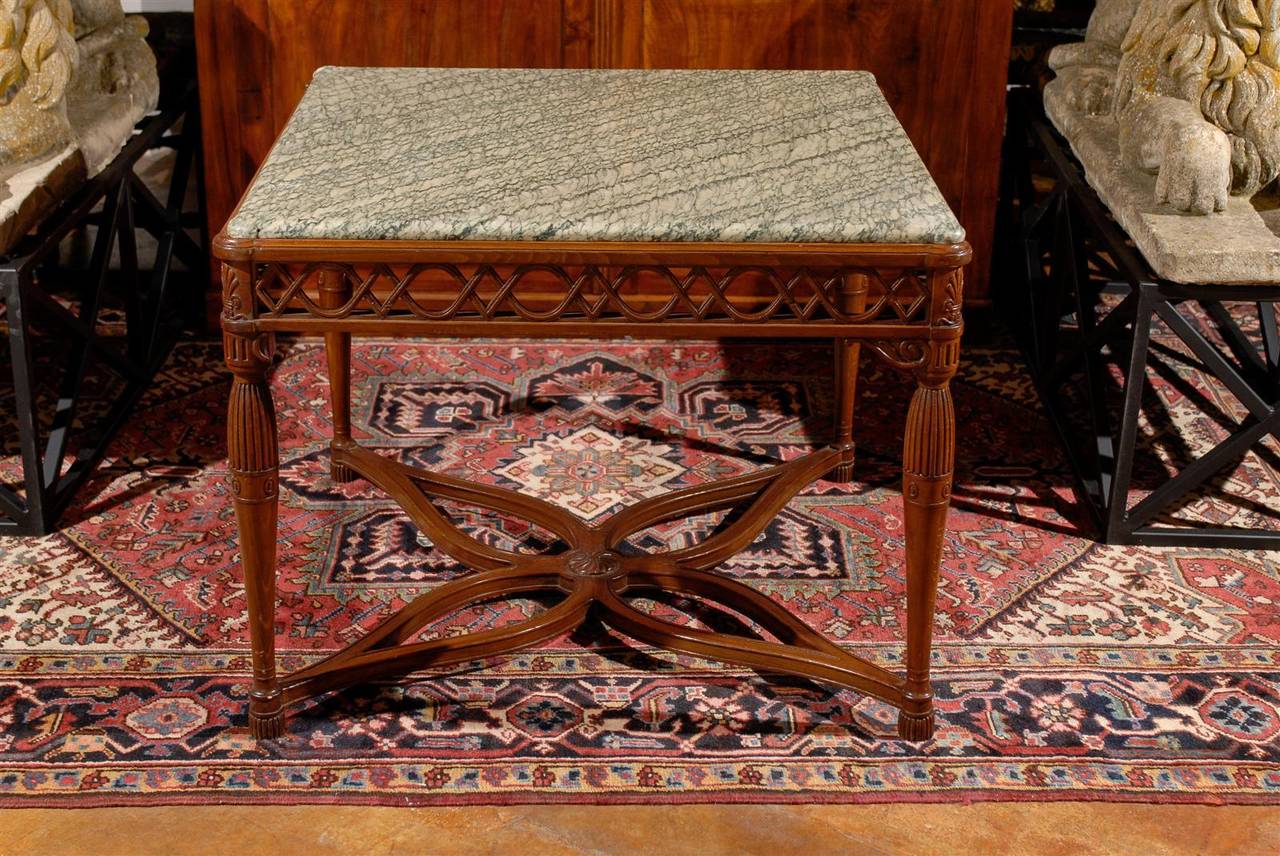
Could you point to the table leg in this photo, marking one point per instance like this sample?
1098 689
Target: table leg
927 462
254 466
847 354
335 291
853 300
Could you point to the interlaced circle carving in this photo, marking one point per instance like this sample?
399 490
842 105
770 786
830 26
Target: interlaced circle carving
546 292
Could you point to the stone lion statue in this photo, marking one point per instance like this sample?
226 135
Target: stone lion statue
1194 87
38 55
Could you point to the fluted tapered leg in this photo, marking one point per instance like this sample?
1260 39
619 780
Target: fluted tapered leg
927 463
254 466
334 292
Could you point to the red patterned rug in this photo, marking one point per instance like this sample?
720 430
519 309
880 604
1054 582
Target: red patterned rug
1064 669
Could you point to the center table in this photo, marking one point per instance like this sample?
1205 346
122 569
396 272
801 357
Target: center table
609 205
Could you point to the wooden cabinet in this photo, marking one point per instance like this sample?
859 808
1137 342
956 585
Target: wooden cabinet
941 64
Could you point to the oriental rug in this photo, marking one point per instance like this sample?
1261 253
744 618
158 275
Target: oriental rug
1064 669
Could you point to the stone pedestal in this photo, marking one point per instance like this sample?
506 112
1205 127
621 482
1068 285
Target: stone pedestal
46 150
29 192
1234 246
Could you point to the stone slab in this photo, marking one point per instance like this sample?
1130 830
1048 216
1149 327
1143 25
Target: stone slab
620 155
31 191
114 86
1231 247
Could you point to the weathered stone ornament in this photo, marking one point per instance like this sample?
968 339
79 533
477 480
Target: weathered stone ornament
75 76
1173 107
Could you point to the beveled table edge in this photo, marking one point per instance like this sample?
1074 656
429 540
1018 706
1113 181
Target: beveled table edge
669 253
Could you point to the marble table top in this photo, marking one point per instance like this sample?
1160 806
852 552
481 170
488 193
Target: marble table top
570 155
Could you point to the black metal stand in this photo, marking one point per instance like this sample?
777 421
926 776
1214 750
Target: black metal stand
117 202
1084 301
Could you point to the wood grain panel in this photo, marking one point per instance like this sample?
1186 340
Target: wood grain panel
942 65
307 34
233 62
987 79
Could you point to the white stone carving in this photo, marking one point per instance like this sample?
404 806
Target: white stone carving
1173 107
75 76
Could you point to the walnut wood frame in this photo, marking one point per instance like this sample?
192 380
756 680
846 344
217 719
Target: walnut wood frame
902 301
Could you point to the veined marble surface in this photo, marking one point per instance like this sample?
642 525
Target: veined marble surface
520 154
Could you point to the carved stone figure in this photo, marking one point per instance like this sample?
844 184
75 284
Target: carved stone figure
95 14
75 76
115 84
37 56
1194 88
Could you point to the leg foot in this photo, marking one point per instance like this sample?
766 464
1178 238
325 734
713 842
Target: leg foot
266 726
843 473
341 473
915 726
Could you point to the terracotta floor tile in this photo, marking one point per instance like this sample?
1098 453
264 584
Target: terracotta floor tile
694 830
1067 828
983 828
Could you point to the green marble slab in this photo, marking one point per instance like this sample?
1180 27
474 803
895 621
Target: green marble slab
570 155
